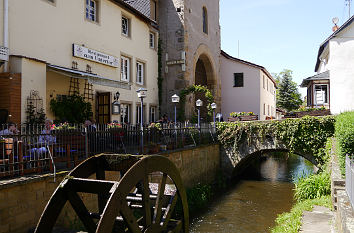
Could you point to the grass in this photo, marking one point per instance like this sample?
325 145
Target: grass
291 222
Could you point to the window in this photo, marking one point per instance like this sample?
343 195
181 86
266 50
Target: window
152 114
125 26
125 113
91 10
125 69
140 73
268 110
263 82
138 114
267 84
152 40
264 109
205 20
238 79
321 94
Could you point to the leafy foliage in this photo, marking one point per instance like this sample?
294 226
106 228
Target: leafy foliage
288 96
344 132
304 135
313 186
291 222
72 109
193 89
34 116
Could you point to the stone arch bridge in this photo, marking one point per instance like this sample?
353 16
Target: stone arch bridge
235 160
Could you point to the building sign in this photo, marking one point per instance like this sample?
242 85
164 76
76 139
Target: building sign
177 62
4 53
93 55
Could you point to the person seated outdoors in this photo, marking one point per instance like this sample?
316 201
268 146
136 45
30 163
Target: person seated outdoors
11 130
45 138
6 135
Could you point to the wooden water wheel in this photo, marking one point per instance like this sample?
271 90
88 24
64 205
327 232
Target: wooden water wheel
142 200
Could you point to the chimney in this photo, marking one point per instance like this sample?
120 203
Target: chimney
335 28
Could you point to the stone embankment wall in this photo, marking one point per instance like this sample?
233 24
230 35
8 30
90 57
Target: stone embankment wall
22 200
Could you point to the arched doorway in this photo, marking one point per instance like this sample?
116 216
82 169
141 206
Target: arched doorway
204 76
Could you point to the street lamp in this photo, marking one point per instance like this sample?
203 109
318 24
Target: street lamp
199 103
142 94
175 100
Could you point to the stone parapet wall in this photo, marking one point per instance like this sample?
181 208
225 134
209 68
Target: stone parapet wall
22 200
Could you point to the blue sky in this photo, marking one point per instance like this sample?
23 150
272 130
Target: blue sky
279 34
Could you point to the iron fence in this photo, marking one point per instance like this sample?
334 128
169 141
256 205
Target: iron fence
349 176
30 149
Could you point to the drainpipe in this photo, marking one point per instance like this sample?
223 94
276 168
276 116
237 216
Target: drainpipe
6 29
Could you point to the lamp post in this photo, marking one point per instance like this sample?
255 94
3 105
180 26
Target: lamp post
175 100
142 94
199 103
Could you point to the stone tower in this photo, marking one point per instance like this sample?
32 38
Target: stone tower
190 41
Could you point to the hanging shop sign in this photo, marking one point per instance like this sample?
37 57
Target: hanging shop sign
93 55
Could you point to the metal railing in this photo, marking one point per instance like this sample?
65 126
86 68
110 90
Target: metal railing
33 149
349 179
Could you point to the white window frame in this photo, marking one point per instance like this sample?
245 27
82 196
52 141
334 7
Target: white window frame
125 69
90 8
140 73
127 108
315 97
152 112
138 113
152 40
125 28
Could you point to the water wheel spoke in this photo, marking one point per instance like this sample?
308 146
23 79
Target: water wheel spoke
160 195
81 211
169 210
129 219
146 202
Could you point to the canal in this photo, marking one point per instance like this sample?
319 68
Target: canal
254 201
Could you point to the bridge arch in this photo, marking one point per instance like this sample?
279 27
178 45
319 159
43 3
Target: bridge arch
235 160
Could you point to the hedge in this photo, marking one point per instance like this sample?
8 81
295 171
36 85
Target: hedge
344 133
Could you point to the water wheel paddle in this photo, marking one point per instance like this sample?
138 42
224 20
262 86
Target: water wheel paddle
142 200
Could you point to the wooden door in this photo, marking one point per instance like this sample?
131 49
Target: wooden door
103 108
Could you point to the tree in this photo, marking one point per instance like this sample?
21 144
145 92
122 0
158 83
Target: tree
288 96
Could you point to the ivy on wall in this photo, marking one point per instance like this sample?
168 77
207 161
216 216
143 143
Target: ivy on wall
305 135
194 89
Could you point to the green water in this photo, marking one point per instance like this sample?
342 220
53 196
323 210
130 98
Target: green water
253 204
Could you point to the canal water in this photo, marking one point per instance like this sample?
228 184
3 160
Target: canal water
254 202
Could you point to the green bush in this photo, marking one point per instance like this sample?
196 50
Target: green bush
72 109
313 186
291 222
344 133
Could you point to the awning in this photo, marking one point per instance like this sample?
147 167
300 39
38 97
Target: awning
317 77
91 77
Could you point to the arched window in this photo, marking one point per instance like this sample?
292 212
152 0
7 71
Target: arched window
205 20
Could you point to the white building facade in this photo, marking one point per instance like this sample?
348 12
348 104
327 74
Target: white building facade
333 84
246 87
94 48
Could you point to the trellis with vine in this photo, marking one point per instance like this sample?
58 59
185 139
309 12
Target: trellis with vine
194 89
